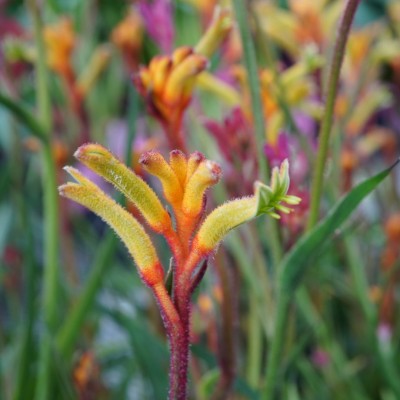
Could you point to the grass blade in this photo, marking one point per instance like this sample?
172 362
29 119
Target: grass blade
24 116
297 260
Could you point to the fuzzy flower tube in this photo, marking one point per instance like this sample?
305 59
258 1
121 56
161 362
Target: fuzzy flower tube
192 236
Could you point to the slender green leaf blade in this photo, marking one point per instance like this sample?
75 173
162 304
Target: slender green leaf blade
150 353
24 116
295 263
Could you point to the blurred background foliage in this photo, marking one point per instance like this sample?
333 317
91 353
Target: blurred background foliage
107 342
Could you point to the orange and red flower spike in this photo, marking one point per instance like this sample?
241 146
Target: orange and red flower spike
167 85
128 37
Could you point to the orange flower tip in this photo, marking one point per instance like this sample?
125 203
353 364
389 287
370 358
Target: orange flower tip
155 60
71 171
203 62
68 189
76 175
163 67
68 168
193 162
214 169
181 53
177 154
62 189
90 150
143 79
200 63
197 157
148 157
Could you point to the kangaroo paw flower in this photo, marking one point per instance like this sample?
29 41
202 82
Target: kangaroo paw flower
167 86
185 181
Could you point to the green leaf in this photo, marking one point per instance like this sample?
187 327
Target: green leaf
149 351
208 383
6 217
24 116
295 263
69 331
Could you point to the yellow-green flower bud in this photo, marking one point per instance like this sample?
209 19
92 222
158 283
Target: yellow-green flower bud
121 221
266 200
101 161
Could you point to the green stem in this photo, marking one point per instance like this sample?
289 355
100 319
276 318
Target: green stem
50 284
324 135
43 99
69 331
359 280
43 387
254 344
257 285
24 116
51 275
318 327
388 366
21 388
275 351
250 61
50 206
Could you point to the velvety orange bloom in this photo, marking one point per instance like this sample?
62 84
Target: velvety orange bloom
309 26
306 22
296 86
60 41
167 85
128 37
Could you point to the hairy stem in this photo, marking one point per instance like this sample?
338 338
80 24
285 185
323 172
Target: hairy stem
179 345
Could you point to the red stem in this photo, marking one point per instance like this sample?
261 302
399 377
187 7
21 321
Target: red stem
178 336
173 131
180 343
180 357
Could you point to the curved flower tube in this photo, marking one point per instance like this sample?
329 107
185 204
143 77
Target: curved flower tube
104 163
121 221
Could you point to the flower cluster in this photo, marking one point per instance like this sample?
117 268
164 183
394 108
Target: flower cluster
167 84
